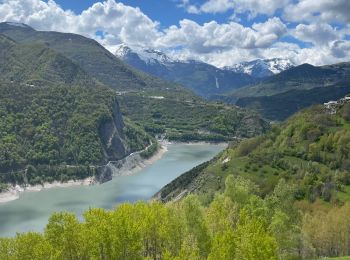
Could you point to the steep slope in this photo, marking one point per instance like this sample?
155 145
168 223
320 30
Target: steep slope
57 123
202 78
262 68
43 129
36 64
310 150
91 57
5 43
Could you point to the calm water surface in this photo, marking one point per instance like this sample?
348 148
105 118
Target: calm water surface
32 210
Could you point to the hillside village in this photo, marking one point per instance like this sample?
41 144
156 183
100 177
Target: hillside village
331 106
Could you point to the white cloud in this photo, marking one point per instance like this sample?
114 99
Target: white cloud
217 6
120 23
217 43
253 7
318 34
192 9
340 49
318 10
213 36
293 10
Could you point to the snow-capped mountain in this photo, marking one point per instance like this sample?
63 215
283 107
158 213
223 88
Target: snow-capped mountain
262 68
204 79
149 56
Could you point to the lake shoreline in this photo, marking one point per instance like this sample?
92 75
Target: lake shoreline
131 164
127 166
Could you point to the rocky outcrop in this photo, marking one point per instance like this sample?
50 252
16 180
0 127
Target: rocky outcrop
112 137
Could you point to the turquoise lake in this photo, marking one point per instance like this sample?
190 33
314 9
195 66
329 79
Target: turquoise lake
31 211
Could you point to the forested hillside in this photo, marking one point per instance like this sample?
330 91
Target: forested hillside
92 57
310 150
43 129
191 119
36 64
281 106
57 122
301 167
61 117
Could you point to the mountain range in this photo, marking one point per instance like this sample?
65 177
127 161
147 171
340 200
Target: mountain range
202 78
275 87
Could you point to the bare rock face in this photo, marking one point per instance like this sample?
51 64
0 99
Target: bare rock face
112 137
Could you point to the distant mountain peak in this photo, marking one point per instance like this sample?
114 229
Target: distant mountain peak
149 56
202 78
123 50
262 68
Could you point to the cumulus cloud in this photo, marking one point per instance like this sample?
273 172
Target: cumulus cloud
213 36
217 6
120 23
220 44
253 7
320 10
318 34
340 49
296 11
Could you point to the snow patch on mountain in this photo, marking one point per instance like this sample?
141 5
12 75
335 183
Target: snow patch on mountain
262 68
122 50
149 56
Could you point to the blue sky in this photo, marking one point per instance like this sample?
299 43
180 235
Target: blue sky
220 32
167 12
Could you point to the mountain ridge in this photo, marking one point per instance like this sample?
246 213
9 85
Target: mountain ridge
262 68
202 78
304 76
91 57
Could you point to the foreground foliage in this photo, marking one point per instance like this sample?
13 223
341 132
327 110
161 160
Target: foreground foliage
237 224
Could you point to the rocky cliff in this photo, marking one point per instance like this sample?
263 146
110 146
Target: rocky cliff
112 136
